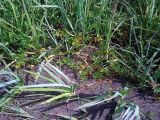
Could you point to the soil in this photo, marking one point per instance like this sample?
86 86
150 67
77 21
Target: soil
147 103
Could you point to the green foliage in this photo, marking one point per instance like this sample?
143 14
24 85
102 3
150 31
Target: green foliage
127 111
58 82
140 55
9 82
6 51
124 34
123 111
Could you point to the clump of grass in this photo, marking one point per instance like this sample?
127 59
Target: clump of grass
58 82
9 82
141 54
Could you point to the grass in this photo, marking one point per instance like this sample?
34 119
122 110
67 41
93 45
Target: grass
58 82
8 84
141 53
95 38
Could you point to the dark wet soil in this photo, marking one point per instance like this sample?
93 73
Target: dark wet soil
148 105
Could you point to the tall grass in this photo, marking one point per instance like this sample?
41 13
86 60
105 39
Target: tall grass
123 29
69 24
141 54
23 26
31 24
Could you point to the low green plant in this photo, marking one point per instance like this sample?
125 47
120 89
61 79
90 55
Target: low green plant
58 82
124 110
8 84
